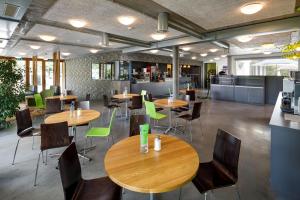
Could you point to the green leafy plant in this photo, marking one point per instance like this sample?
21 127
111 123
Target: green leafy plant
12 90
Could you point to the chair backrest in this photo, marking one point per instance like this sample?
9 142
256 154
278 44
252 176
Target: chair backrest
135 122
88 97
227 151
38 101
84 105
192 94
70 171
137 102
112 118
53 106
150 109
196 110
23 119
54 135
105 100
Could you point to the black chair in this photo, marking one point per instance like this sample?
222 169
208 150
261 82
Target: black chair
190 117
135 122
53 136
115 100
148 97
24 128
53 106
88 97
75 187
192 94
136 103
222 171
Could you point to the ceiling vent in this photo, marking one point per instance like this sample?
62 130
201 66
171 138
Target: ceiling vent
11 10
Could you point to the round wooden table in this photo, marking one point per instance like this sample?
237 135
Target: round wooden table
126 98
176 103
79 117
154 172
63 98
183 91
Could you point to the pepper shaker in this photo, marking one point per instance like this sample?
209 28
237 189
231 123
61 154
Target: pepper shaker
157 143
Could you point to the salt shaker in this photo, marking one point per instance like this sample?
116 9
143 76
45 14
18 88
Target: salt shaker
157 143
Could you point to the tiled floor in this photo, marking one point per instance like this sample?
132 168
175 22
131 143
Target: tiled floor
248 122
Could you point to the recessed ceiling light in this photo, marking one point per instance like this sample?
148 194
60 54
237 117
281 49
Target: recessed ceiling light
298 49
154 51
94 50
126 20
41 57
256 51
181 55
211 60
244 38
203 54
171 55
268 45
267 52
22 54
158 36
251 8
213 50
65 53
224 56
194 57
35 47
77 23
186 48
217 58
47 38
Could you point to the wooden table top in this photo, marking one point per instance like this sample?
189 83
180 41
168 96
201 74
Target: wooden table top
63 98
175 104
79 117
128 96
191 89
154 172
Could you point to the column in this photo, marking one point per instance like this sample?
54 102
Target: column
175 71
56 68
43 74
34 70
27 73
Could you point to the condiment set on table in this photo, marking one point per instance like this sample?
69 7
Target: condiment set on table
144 129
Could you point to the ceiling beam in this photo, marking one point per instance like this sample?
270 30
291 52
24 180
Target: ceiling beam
175 21
112 37
263 28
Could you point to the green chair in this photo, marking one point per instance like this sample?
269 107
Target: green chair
101 131
151 112
45 94
143 94
39 101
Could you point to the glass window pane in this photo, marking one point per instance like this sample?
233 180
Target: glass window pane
39 76
49 74
95 71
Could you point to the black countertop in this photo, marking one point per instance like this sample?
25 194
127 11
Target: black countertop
277 118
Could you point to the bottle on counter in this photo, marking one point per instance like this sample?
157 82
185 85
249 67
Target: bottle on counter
157 143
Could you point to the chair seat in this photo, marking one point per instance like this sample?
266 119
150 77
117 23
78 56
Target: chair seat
210 176
159 116
186 117
97 189
158 109
98 132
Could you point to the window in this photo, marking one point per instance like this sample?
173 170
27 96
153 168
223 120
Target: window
95 71
21 64
39 70
49 74
266 67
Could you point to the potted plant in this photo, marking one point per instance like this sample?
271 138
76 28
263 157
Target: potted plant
12 90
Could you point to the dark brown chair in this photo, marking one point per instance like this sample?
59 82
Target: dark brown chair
190 117
75 187
88 97
53 106
222 171
148 97
137 103
107 104
135 122
24 128
53 136
115 100
192 94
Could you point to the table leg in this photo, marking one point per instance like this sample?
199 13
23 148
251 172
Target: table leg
170 121
153 196
79 154
126 109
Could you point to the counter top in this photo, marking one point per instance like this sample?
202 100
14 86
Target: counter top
277 118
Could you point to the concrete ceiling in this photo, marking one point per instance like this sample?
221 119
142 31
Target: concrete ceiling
215 14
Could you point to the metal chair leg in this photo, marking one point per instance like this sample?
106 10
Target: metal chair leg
13 162
46 158
37 168
237 192
32 143
191 135
112 138
205 196
180 191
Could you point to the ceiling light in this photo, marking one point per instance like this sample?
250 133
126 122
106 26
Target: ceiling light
203 54
35 47
171 55
65 53
22 54
224 56
251 8
126 20
244 38
268 45
77 23
47 38
267 52
186 48
217 58
194 57
158 36
41 57
94 50
181 55
256 51
298 49
154 51
213 50
211 60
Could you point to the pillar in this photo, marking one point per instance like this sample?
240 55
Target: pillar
175 71
27 73
56 68
34 70
43 74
